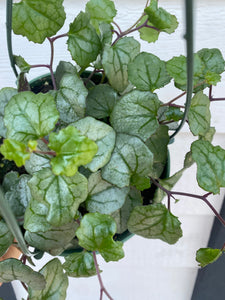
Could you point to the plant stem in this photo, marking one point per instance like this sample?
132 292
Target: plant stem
59 36
40 66
102 288
174 99
201 197
52 153
51 41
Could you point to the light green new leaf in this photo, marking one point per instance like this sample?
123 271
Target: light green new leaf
147 72
5 95
122 215
147 33
17 192
56 282
55 240
136 114
16 151
159 140
103 135
199 114
61 194
100 101
160 18
103 197
210 165
38 20
130 156
29 116
115 61
101 10
71 98
155 222
72 150
83 42
80 265
22 64
96 233
207 256
6 237
13 269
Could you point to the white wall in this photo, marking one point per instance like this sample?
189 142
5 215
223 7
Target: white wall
151 269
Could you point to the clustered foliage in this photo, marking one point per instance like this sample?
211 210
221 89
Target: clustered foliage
89 146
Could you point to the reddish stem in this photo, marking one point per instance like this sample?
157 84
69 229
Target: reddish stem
102 288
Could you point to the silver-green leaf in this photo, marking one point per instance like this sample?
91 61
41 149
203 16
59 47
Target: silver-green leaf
136 114
147 72
79 265
103 135
83 42
115 61
62 194
29 116
56 282
155 221
71 98
104 198
210 165
6 237
199 114
13 269
5 95
130 156
38 20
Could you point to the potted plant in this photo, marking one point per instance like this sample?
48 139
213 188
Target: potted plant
84 158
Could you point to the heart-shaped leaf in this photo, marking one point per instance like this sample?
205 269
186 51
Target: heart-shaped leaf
130 156
29 116
115 61
101 10
80 264
147 72
136 114
13 269
83 43
17 192
155 222
61 194
71 98
100 101
38 19
56 282
210 165
96 233
103 197
199 114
